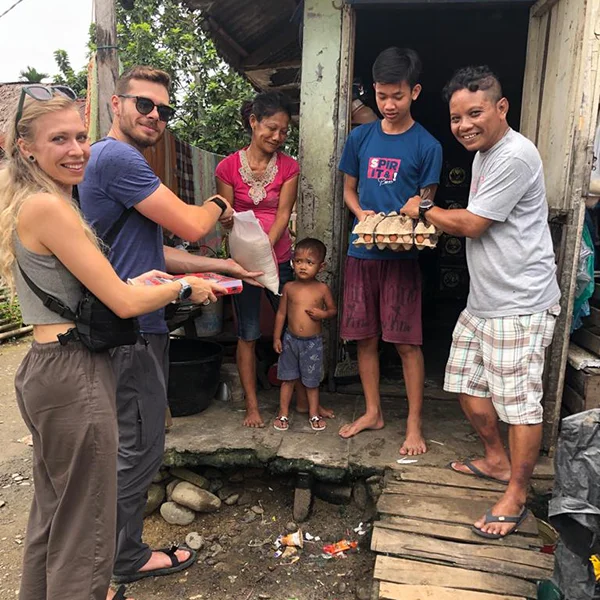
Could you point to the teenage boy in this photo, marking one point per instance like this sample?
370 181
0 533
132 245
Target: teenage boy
497 356
386 162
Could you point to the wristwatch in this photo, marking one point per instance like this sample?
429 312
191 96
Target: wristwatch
220 204
186 290
425 205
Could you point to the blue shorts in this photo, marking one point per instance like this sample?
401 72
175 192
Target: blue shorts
301 358
247 304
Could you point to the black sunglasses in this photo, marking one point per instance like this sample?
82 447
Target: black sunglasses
42 93
145 106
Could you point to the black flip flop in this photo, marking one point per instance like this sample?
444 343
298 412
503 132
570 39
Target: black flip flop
120 595
490 518
475 472
175 567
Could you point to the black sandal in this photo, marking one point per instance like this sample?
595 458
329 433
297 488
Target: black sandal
175 567
120 595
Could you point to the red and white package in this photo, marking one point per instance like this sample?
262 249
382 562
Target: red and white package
233 286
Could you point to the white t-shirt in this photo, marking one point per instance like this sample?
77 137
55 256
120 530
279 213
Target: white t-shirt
512 265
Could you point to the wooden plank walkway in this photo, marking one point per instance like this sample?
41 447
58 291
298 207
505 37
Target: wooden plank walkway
427 551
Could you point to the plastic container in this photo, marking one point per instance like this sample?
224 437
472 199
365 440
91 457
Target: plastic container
194 375
549 536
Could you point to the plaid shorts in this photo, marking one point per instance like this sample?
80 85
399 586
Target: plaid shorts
502 359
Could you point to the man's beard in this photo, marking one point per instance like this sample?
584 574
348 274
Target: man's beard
142 141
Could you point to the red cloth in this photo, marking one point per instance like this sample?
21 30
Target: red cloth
228 171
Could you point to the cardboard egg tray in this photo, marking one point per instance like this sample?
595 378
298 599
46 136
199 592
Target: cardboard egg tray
395 232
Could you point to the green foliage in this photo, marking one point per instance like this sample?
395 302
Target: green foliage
32 75
10 310
67 76
207 92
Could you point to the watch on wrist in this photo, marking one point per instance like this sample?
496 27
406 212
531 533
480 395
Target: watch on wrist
220 204
425 205
186 290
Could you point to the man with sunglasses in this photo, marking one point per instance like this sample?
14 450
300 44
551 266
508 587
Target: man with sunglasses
118 179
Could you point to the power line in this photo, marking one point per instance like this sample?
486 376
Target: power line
9 9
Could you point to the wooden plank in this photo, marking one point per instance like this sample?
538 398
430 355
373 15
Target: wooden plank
393 591
573 402
516 562
588 338
586 382
451 510
580 358
439 491
455 532
410 572
446 476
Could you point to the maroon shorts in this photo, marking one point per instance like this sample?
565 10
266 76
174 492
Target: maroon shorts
382 297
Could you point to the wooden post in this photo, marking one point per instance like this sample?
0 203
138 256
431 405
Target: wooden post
327 57
107 60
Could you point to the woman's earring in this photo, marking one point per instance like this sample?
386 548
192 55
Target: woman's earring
31 158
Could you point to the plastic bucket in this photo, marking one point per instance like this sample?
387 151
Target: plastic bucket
194 375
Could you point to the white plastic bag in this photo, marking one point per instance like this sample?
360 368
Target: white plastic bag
249 245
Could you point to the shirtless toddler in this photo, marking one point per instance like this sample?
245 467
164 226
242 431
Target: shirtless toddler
305 303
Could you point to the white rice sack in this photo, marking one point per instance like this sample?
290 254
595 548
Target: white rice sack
249 245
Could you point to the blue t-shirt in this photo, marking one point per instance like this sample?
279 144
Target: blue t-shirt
117 178
390 170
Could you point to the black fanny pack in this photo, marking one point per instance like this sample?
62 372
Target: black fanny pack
96 326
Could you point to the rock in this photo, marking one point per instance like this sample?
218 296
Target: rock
220 567
216 549
194 540
259 510
249 517
211 561
195 498
212 473
225 492
332 492
291 527
244 499
231 500
160 476
373 479
360 494
363 591
236 477
156 495
375 490
215 485
187 475
342 587
170 487
174 514
302 504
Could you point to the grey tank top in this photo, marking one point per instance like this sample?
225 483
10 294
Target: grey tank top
50 275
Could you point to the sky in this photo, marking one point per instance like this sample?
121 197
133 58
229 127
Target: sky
31 32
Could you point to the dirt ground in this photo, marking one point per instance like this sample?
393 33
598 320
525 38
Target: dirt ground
237 561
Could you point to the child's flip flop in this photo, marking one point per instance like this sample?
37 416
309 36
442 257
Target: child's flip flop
284 424
315 421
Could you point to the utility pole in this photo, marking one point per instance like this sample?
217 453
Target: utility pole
107 60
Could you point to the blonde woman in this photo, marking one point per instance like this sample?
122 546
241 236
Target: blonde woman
66 393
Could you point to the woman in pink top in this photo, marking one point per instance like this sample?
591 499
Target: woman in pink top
263 179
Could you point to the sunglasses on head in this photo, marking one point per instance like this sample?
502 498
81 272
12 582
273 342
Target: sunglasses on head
145 106
42 93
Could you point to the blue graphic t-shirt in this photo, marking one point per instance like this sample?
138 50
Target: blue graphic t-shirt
117 178
390 170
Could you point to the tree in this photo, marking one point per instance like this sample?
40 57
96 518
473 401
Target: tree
207 92
67 76
32 75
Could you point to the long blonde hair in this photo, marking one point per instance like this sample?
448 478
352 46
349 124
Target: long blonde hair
20 179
